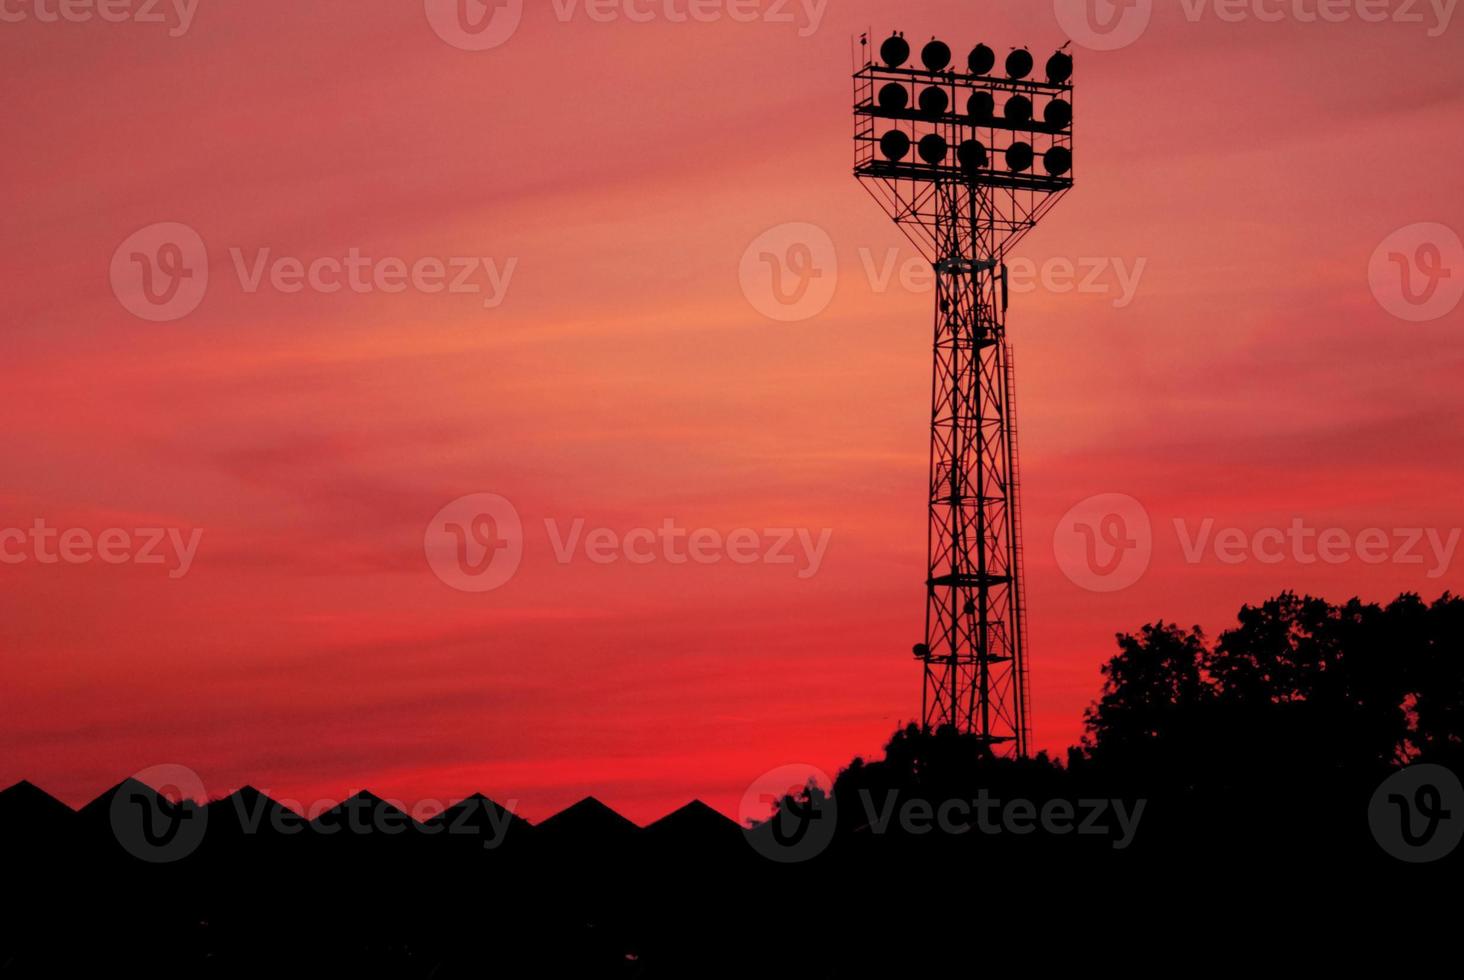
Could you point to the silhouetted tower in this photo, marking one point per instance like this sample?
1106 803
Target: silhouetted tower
966 159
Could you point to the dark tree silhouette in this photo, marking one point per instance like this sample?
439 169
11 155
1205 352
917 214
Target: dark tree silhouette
1299 685
1326 683
1157 708
1436 685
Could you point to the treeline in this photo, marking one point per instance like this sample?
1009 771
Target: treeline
1271 738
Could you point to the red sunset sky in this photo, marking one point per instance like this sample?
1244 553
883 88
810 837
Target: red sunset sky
1242 172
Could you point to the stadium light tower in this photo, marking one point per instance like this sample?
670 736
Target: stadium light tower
966 159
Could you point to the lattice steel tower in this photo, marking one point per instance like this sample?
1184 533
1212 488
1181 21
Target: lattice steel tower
966 168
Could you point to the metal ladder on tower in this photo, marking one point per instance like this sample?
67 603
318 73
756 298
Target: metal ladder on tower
864 138
1018 557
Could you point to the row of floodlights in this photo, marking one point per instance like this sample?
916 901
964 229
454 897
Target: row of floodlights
972 154
981 106
936 56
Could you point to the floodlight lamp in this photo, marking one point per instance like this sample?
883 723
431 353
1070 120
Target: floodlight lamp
1058 114
1019 63
1058 160
1019 157
936 55
934 101
1059 67
933 149
981 60
972 156
894 97
1018 110
981 107
895 51
894 145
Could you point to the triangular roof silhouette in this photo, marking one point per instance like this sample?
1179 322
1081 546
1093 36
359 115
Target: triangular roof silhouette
473 811
27 805
245 792
365 802
249 809
589 818
696 819
100 808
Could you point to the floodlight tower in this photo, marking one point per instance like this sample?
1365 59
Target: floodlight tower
991 154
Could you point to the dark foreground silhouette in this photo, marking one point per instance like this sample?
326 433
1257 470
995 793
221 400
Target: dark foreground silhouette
1224 809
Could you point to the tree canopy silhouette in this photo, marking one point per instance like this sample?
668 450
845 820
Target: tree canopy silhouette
1298 685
